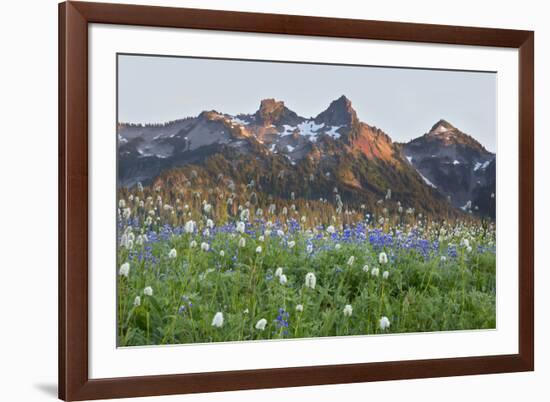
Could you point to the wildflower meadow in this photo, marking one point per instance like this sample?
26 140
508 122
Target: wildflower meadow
216 263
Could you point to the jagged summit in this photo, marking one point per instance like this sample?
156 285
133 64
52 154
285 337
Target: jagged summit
445 134
275 112
269 107
339 113
442 126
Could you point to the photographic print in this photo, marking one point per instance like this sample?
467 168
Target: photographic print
269 200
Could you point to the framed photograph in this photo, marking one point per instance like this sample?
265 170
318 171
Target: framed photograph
259 200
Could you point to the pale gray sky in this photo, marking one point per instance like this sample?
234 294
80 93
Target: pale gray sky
405 103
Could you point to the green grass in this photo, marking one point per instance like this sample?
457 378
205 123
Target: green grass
420 294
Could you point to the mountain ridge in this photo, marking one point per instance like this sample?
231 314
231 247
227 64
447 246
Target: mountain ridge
334 146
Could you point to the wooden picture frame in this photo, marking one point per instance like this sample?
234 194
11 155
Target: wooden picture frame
74 381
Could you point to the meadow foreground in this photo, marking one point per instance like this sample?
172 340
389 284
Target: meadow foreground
191 271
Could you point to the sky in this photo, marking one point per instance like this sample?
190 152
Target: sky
405 103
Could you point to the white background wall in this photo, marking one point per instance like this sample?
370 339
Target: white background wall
28 198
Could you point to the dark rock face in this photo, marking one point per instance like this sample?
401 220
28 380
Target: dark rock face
458 166
339 113
484 195
286 153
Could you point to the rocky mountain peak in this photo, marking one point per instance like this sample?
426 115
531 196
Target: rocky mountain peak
456 164
270 106
275 112
339 113
445 134
210 115
442 126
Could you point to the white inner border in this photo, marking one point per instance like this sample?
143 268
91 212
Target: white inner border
105 360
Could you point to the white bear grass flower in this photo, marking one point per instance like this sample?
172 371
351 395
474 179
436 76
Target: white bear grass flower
384 323
366 269
283 279
311 280
245 214
190 226
126 213
279 272
260 325
124 269
383 258
148 291
240 227
259 250
242 242
351 260
140 239
348 310
385 275
193 244
205 246
217 321
172 254
375 271
299 308
137 301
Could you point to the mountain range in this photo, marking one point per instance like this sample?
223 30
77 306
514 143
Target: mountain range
444 172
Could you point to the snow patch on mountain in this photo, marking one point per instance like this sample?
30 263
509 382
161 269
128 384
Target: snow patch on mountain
481 166
241 122
428 182
467 206
333 132
311 130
